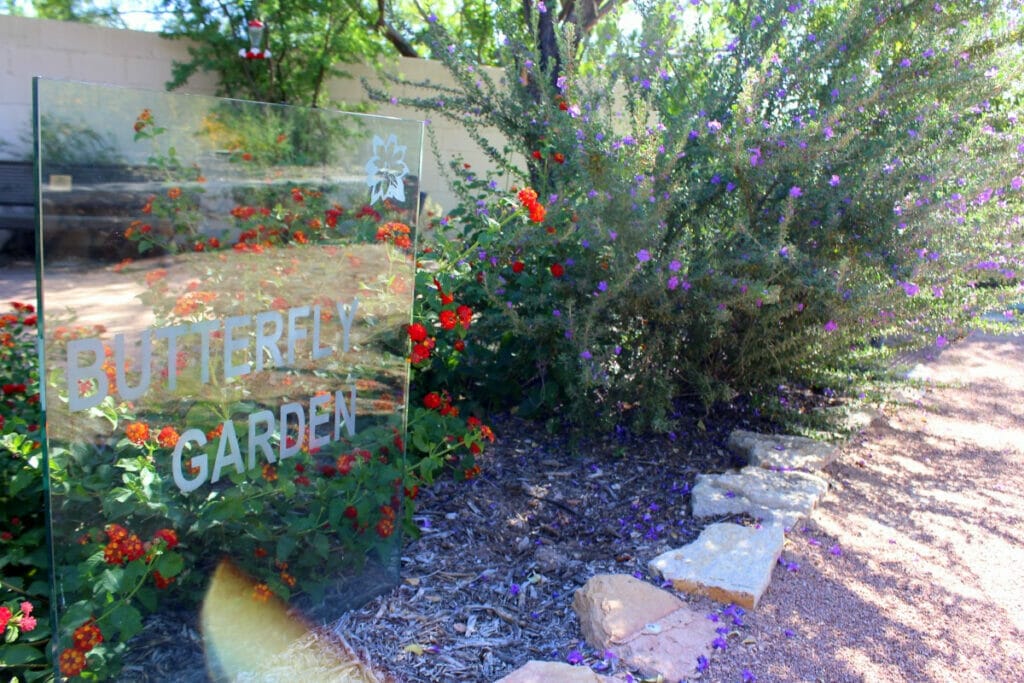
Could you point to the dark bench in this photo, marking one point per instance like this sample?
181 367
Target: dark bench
17 196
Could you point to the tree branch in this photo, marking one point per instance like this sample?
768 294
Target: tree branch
394 37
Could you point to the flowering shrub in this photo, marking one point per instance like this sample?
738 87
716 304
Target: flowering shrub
24 592
735 200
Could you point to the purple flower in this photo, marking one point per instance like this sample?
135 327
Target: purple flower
702 663
834 181
795 191
714 126
586 355
673 282
910 288
513 589
643 256
836 550
719 643
831 326
712 616
748 677
940 341
675 266
575 657
788 633
602 286
612 235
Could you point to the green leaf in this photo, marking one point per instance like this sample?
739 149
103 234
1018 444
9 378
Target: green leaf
285 546
110 580
169 564
321 545
127 620
20 653
24 479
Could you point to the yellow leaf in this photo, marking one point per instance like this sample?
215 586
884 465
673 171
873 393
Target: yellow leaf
414 648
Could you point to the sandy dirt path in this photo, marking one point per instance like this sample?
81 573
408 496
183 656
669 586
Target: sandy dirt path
912 569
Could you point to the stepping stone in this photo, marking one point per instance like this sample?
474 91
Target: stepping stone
728 563
536 671
651 630
781 451
786 497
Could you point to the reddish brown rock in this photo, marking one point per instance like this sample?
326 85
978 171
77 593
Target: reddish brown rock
670 646
612 607
649 629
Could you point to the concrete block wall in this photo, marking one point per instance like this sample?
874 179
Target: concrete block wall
80 52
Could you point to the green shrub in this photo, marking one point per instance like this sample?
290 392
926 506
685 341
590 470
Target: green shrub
738 196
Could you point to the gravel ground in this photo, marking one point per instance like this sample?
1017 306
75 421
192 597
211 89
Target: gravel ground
927 525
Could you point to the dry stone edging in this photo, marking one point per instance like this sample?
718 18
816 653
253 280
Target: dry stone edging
653 631
728 563
785 497
781 451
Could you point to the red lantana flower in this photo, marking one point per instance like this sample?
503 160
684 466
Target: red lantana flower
417 332
71 661
448 319
465 314
420 353
86 637
137 433
168 437
518 267
169 536
557 270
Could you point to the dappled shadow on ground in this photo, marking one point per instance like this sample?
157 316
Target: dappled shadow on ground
927 516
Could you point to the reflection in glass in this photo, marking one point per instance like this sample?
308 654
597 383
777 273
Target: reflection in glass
225 296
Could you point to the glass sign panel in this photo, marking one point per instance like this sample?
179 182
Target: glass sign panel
224 291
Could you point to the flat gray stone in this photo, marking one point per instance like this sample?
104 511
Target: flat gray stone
785 497
781 451
728 563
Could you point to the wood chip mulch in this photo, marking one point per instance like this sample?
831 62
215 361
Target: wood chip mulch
489 584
